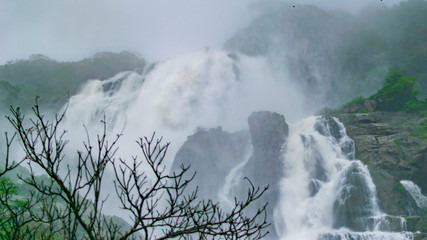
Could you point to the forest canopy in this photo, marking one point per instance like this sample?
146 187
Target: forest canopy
23 80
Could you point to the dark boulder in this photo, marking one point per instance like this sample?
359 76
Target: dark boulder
268 133
354 204
212 154
265 167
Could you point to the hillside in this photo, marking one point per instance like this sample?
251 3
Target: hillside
22 81
390 134
336 56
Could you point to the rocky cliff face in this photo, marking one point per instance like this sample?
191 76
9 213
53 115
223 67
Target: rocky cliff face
386 142
265 166
214 153
268 133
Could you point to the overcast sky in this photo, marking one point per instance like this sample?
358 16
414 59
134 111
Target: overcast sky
348 5
157 29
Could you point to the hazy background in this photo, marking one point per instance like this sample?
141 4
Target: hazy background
72 30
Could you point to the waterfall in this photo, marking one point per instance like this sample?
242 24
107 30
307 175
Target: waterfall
232 180
327 193
415 192
175 97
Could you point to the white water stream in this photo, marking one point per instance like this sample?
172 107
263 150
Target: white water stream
174 97
326 193
415 192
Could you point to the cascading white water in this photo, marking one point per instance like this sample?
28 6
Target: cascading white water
226 193
174 97
415 191
325 193
171 98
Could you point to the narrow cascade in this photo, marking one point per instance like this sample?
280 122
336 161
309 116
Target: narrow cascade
415 192
327 193
232 181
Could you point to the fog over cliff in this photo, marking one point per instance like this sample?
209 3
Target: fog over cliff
71 30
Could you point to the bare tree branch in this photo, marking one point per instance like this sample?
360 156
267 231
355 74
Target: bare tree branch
68 201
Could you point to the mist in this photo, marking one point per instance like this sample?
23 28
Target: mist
157 30
71 30
200 66
167 29
345 5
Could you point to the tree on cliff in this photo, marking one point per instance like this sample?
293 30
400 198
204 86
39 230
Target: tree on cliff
398 94
397 90
67 202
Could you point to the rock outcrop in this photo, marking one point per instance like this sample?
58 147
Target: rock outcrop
268 133
212 154
265 167
386 142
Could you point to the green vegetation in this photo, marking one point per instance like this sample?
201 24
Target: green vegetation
384 38
15 201
341 54
396 93
356 100
420 130
21 81
422 225
11 211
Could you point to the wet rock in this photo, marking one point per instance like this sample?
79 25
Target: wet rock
388 224
268 131
212 153
113 86
314 186
265 167
315 163
328 127
420 236
417 224
384 141
354 203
